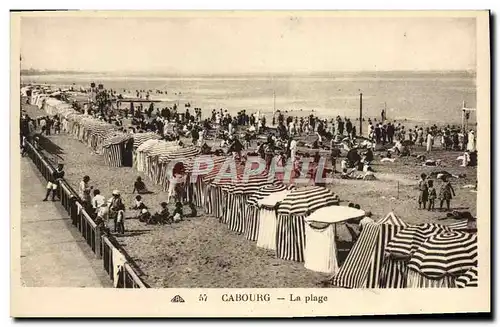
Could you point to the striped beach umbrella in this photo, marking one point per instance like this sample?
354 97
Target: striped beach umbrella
292 211
305 200
469 279
448 253
409 239
265 191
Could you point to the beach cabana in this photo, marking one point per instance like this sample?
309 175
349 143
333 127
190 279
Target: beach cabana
263 203
320 252
221 180
140 153
196 168
363 264
252 218
117 150
170 158
292 211
241 221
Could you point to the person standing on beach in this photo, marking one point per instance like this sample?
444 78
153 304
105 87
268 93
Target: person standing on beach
423 191
446 193
432 195
430 140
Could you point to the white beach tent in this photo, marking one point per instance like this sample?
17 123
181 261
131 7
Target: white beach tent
320 252
268 220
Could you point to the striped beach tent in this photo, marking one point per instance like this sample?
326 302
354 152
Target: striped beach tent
252 208
140 138
154 157
222 180
196 168
141 153
442 258
296 206
362 267
320 252
265 202
168 161
117 149
241 220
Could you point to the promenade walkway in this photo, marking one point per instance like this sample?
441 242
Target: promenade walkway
53 254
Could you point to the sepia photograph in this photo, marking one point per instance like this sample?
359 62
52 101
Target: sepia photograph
324 153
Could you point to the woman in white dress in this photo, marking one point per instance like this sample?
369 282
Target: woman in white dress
430 140
471 143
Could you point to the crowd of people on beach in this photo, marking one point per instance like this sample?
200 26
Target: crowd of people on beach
109 214
252 132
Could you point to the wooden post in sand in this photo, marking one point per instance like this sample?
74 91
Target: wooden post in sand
361 114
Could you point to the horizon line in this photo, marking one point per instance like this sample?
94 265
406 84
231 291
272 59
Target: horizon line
165 73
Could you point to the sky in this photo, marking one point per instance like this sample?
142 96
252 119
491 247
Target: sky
249 44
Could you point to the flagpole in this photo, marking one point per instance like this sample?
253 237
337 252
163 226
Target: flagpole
274 102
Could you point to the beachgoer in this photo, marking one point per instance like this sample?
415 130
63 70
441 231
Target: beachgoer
423 192
430 140
446 193
139 186
178 213
367 219
53 182
98 200
139 204
432 195
84 191
144 216
115 205
163 217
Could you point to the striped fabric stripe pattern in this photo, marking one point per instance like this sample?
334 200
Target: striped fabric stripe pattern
141 138
386 233
409 239
265 191
446 253
251 222
306 200
290 237
113 155
252 184
394 274
417 280
469 279
364 262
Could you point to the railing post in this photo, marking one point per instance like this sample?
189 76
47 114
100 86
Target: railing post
98 241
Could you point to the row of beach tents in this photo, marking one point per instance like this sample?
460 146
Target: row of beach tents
297 223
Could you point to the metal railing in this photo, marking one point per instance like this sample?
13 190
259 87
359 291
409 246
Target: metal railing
113 256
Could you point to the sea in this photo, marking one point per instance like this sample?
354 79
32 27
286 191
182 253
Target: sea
428 97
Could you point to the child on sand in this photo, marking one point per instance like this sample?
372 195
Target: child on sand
178 213
446 193
139 186
423 192
432 195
